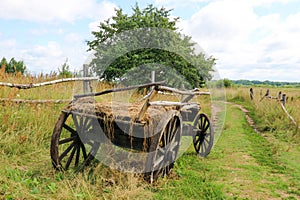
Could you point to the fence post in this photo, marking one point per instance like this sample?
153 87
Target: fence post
279 95
152 79
283 99
152 76
85 74
251 93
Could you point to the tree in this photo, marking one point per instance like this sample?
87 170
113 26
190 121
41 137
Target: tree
227 83
13 66
64 71
147 37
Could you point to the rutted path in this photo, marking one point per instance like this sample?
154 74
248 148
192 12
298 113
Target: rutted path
249 119
216 109
245 162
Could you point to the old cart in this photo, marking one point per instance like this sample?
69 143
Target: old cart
153 127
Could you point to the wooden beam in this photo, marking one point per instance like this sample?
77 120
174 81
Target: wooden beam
146 104
119 89
33 101
183 92
33 85
171 103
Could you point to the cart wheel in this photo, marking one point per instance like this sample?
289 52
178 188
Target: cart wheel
164 148
73 141
203 140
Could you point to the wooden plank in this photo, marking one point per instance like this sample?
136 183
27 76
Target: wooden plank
183 92
146 104
34 101
33 85
119 89
171 103
188 98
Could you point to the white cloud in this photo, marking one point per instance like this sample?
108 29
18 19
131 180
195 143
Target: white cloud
72 38
66 10
245 43
64 43
43 58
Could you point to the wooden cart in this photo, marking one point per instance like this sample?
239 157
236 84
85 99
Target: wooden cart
153 127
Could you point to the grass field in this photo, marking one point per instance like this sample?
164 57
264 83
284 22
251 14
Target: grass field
242 165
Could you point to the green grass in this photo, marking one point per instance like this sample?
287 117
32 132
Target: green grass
242 165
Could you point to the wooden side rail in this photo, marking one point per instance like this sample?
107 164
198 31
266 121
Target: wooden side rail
34 85
119 89
183 92
172 103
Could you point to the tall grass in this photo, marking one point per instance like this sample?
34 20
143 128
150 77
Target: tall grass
25 134
268 113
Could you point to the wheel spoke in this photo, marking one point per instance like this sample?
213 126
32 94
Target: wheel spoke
205 139
197 140
69 129
81 120
76 122
161 150
201 149
172 146
86 123
206 127
83 151
77 156
66 140
71 157
204 145
171 130
66 151
158 161
168 134
198 146
89 126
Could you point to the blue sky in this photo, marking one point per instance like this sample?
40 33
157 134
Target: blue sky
251 39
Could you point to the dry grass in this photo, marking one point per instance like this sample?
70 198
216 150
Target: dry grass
268 113
26 131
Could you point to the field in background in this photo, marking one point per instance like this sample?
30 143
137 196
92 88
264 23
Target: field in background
242 165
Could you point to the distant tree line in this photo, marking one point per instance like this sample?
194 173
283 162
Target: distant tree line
231 83
13 66
267 82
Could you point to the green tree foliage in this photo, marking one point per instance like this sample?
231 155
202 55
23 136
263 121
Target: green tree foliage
147 37
227 83
64 70
13 66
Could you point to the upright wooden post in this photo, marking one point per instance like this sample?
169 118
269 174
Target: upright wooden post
279 95
283 99
152 77
251 93
85 74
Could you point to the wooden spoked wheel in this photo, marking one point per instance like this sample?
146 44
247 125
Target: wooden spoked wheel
204 137
163 150
74 142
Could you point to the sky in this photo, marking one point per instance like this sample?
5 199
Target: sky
250 39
